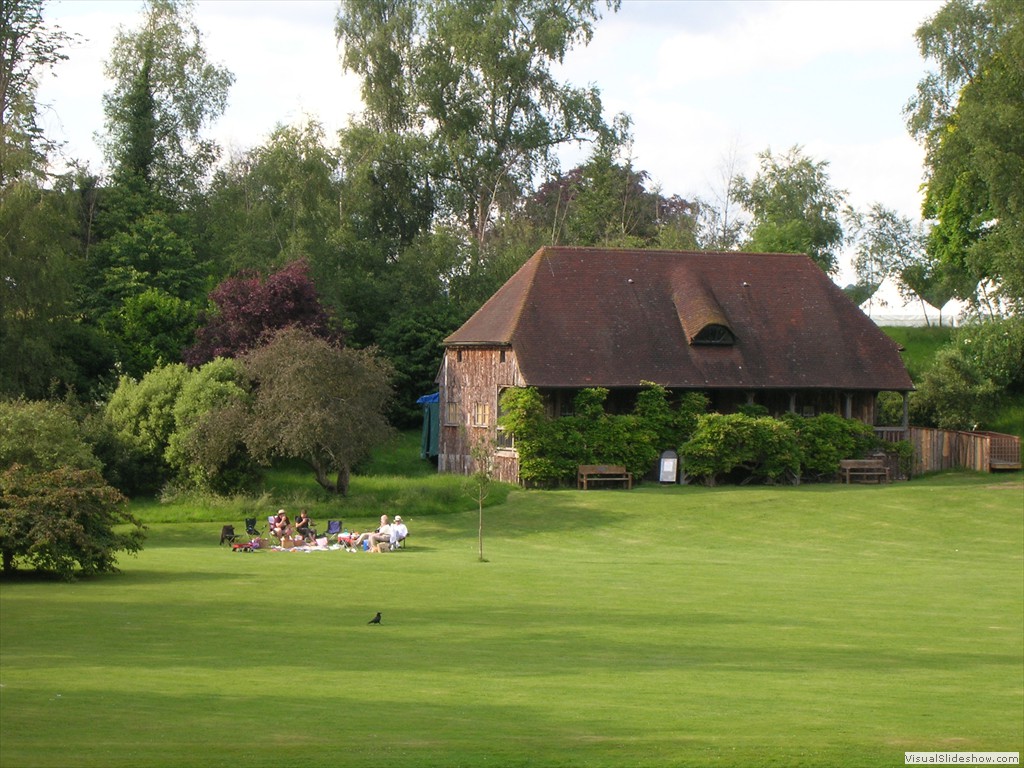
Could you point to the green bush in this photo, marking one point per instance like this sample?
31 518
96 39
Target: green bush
61 518
826 439
551 449
971 379
750 446
206 450
762 447
889 409
42 435
141 417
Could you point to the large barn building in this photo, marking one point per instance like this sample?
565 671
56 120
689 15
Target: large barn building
770 329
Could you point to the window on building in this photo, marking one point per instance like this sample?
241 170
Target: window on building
715 334
451 413
503 439
481 414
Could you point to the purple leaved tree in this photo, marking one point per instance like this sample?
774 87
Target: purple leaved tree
250 308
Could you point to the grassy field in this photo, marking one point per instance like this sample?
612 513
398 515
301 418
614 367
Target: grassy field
667 626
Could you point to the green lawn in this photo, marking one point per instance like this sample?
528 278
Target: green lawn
811 626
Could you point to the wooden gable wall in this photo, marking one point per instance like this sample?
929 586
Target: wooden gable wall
470 382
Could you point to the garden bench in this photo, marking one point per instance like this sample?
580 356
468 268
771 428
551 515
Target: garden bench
864 470
602 473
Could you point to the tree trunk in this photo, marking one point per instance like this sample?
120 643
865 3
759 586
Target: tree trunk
480 530
322 479
344 476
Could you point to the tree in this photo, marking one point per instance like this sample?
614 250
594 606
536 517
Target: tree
164 95
27 46
38 253
317 402
64 517
606 202
885 243
207 450
719 226
387 195
413 342
478 484
249 308
972 376
42 435
278 203
38 267
475 78
967 113
382 264
793 208
55 508
182 428
146 236
140 414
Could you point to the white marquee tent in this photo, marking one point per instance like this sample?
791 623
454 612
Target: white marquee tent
953 311
886 307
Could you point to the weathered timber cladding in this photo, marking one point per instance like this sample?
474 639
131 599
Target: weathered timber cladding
472 379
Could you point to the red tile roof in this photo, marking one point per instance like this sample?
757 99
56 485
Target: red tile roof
581 317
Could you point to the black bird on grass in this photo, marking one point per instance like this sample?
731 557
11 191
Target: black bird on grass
375 619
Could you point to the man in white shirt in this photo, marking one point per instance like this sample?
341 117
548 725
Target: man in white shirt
398 532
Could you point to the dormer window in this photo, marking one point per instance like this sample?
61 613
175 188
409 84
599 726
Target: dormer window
702 317
715 334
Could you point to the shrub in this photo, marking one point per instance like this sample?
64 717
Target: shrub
826 439
972 376
42 435
58 518
141 417
953 394
551 449
206 450
764 448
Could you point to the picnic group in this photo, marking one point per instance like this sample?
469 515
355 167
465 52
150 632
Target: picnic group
301 534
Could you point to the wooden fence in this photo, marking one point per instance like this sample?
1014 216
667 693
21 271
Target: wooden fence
938 449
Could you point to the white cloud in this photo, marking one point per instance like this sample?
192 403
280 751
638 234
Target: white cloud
699 78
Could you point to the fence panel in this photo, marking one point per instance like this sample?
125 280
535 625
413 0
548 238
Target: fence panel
938 449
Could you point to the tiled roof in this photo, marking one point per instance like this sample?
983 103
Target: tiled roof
580 317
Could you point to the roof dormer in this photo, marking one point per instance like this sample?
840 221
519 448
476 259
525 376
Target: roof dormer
702 317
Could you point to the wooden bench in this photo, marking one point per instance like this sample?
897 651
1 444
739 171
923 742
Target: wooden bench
602 473
864 470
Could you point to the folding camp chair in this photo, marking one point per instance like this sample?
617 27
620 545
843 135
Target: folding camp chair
333 528
250 527
227 533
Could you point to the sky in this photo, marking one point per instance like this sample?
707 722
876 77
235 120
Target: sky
708 84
